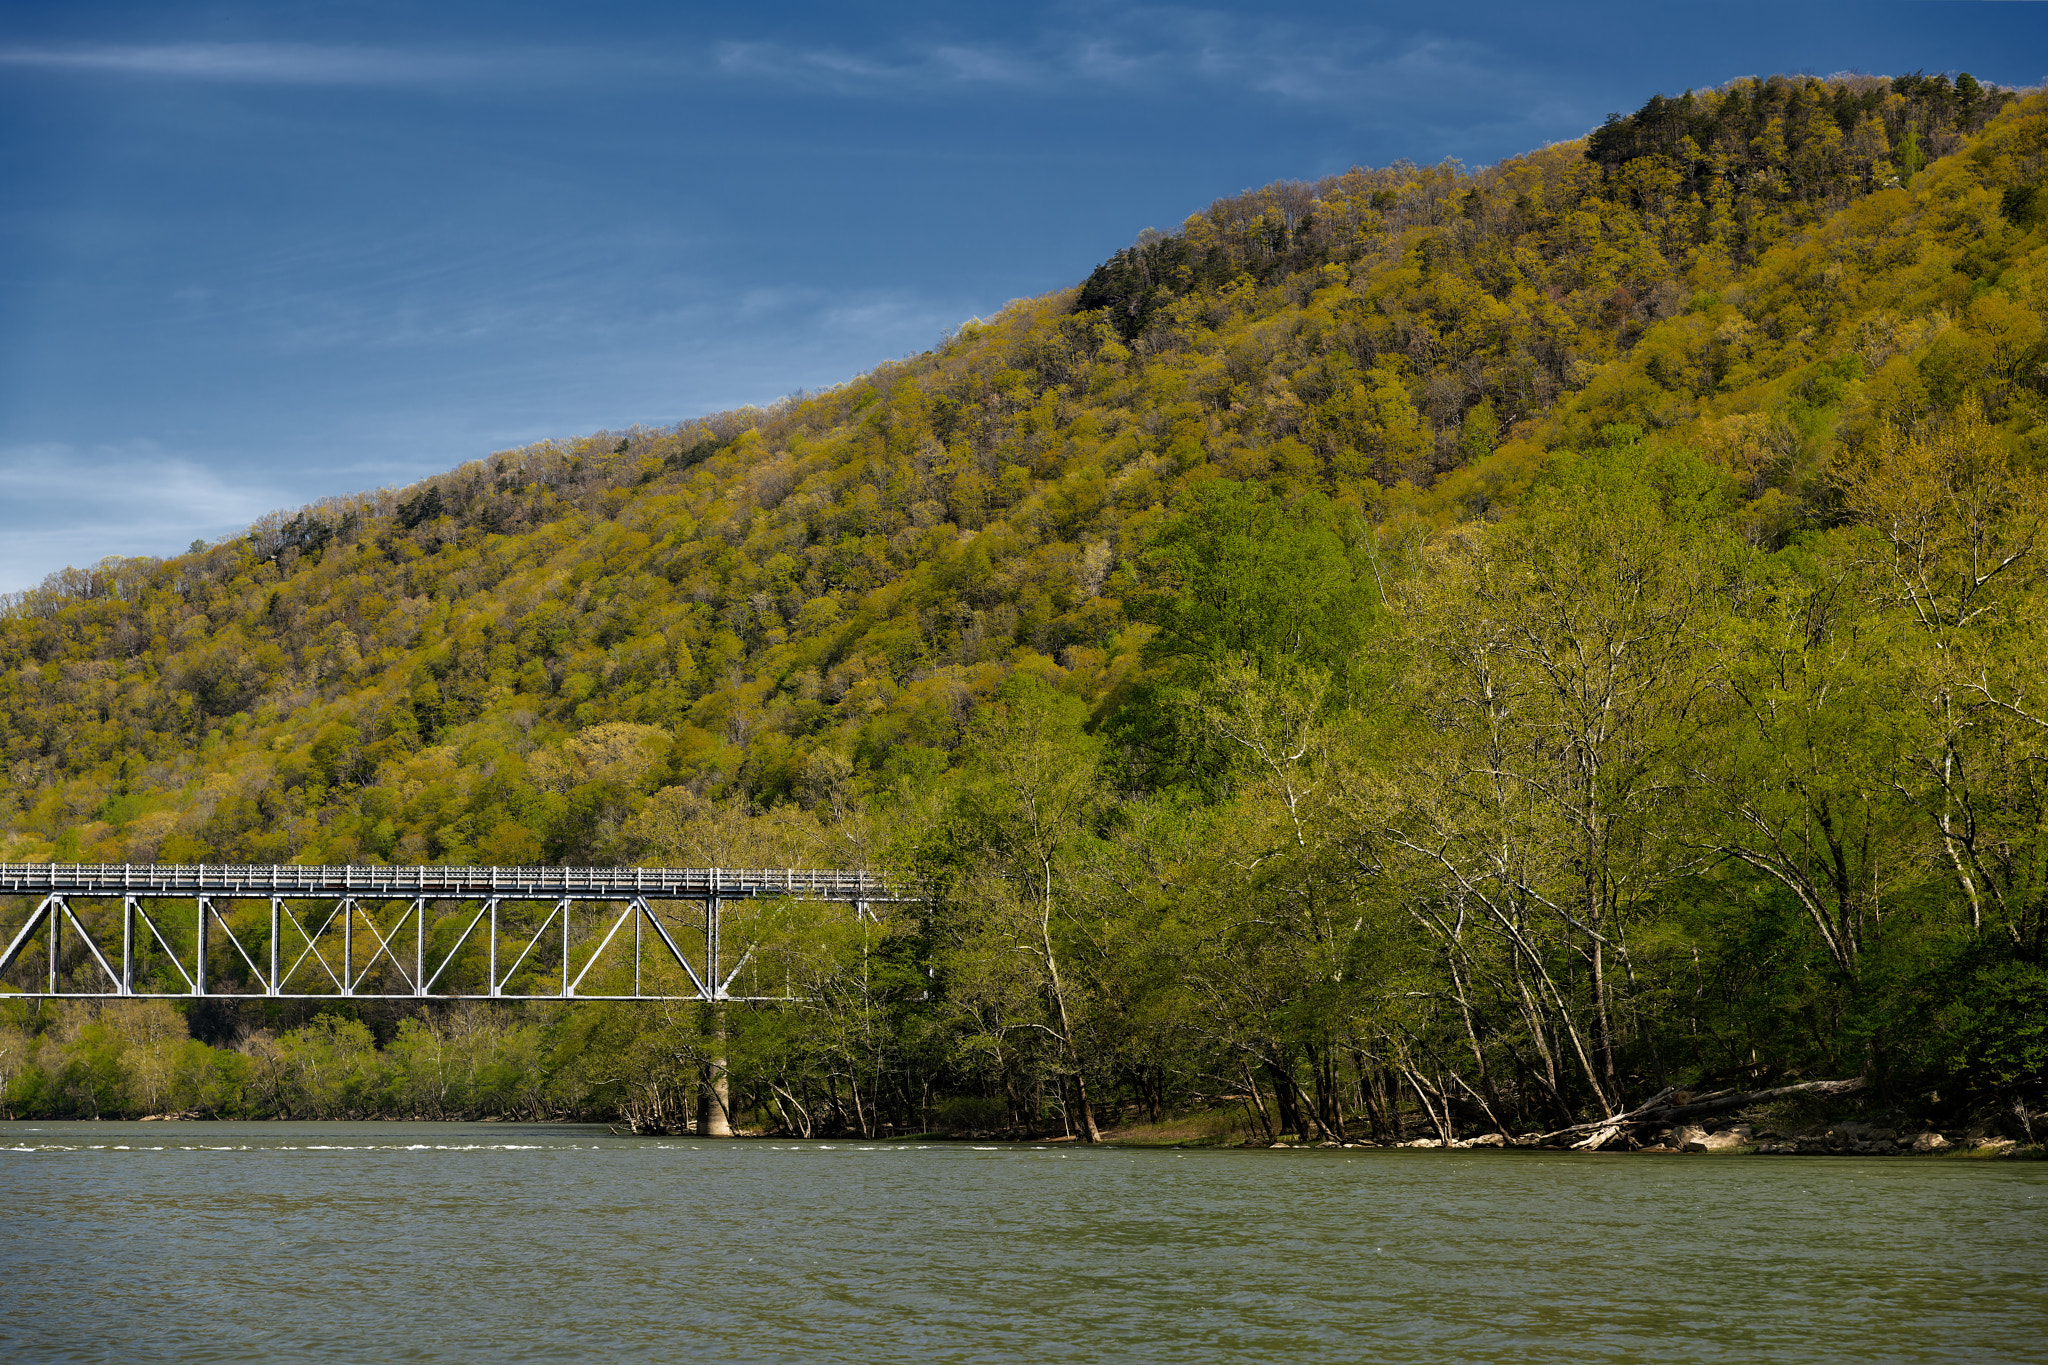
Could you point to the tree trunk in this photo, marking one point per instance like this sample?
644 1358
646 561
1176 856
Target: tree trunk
1283 1100
1089 1132
1329 1102
1251 1085
1370 1097
1442 1123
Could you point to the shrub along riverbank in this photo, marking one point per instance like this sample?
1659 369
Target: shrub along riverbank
127 1060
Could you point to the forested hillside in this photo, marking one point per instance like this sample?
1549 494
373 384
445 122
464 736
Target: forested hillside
1422 651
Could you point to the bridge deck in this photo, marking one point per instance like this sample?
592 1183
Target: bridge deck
465 883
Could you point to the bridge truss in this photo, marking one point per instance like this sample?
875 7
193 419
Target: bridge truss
155 931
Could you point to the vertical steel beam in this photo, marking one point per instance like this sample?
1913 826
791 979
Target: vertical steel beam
127 941
565 946
348 945
56 943
639 911
275 933
199 950
711 977
711 974
492 970
419 948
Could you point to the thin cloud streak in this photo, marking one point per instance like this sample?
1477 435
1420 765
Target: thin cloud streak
70 504
262 63
1123 53
73 503
1139 51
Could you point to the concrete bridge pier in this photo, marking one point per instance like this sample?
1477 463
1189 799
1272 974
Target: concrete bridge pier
714 1097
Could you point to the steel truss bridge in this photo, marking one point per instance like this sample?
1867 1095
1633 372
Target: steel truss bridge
157 931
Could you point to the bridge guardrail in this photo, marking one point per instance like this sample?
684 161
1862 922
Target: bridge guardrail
287 880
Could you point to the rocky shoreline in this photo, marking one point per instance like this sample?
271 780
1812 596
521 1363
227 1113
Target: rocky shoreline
1761 1137
1847 1138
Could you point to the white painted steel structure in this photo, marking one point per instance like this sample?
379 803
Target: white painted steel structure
316 914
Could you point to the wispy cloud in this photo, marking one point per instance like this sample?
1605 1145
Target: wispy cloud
260 63
1148 50
64 504
670 348
915 68
1134 52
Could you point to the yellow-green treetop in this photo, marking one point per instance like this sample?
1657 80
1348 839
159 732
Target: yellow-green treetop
783 607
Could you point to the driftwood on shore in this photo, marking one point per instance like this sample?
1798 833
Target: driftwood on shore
1660 1109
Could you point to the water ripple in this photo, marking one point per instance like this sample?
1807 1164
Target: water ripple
449 1242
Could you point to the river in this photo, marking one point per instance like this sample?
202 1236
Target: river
505 1242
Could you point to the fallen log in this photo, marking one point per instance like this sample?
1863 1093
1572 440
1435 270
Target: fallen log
1594 1125
1721 1104
1657 1110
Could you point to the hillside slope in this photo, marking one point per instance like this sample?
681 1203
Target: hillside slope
843 576
1220 512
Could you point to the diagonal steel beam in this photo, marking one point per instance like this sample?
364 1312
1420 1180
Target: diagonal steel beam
561 908
733 975
92 947
311 949
28 930
461 939
384 948
165 943
233 938
677 954
617 924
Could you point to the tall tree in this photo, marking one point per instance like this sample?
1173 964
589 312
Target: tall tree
1960 532
1028 801
1565 663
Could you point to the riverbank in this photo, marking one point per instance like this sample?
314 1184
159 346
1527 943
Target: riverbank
1848 1137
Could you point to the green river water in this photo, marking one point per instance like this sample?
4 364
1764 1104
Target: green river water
503 1242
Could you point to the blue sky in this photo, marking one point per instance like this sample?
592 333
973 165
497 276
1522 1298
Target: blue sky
253 254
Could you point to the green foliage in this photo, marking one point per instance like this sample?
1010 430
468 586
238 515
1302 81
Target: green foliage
1238 574
2000 1031
1492 637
